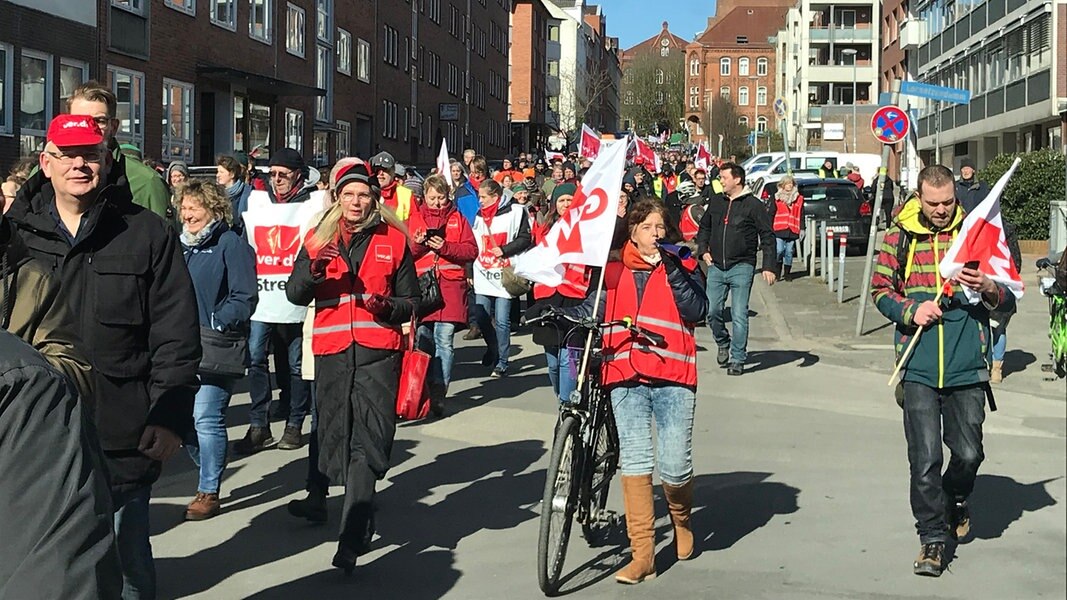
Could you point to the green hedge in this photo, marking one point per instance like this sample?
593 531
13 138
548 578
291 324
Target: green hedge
1039 180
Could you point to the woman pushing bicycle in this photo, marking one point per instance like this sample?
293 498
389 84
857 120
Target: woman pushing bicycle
661 293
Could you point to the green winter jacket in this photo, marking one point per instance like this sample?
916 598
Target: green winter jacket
147 186
957 350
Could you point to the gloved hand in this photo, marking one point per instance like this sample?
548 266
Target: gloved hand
328 253
379 305
671 262
536 310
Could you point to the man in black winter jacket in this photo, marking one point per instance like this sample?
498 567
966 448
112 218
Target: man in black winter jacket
122 272
969 191
735 227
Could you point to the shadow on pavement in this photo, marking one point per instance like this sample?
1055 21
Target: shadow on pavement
420 538
761 360
1016 361
999 501
729 506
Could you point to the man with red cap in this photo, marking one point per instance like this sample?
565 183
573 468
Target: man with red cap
123 275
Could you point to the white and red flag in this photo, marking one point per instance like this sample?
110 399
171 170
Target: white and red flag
703 159
590 143
551 156
982 239
444 168
583 235
645 151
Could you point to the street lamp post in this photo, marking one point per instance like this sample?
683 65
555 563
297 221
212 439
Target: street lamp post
755 104
851 52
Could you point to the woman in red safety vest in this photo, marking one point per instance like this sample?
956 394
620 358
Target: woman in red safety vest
662 294
560 353
788 211
446 246
357 268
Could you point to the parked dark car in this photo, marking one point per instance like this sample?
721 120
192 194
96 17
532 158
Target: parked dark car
837 201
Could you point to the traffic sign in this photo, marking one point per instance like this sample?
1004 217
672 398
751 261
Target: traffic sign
890 124
780 108
935 92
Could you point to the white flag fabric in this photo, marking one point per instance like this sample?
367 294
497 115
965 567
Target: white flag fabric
583 235
444 168
982 239
589 145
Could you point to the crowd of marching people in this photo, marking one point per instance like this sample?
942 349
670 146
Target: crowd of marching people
153 294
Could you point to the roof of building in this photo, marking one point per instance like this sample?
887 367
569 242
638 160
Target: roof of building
745 25
654 42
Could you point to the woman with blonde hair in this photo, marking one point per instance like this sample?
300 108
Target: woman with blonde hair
788 212
356 266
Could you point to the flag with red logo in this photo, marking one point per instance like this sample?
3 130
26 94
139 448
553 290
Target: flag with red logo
583 235
646 153
982 239
590 143
551 156
703 159
444 168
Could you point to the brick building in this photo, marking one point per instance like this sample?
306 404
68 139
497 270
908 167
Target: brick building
47 48
734 59
528 83
665 47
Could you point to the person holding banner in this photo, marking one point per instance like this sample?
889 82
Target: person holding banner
662 293
945 381
502 231
357 268
446 245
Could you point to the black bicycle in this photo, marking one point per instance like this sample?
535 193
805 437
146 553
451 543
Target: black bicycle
585 455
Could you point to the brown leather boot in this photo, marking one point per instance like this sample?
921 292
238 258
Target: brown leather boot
680 503
203 507
641 529
996 374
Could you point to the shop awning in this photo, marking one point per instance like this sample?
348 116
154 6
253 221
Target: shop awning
257 82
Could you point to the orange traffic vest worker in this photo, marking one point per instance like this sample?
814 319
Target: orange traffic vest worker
654 375
357 268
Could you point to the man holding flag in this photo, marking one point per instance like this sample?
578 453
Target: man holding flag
941 272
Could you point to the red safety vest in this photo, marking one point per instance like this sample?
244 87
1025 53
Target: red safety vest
446 269
627 360
341 316
689 226
786 218
575 284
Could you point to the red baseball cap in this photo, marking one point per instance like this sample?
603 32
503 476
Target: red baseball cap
74 130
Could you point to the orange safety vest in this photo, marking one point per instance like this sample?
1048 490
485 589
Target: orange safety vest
446 269
786 217
628 359
575 284
341 316
689 226
402 202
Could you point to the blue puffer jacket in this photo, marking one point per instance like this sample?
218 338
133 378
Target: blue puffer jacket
223 269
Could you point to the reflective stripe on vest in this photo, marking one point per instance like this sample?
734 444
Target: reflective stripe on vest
445 268
341 315
689 227
575 284
787 218
626 358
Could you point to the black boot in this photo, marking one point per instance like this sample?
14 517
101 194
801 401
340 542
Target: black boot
312 508
785 272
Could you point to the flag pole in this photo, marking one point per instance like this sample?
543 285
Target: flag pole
589 338
913 343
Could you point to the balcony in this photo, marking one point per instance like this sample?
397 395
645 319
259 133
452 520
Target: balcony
840 73
913 34
840 35
814 113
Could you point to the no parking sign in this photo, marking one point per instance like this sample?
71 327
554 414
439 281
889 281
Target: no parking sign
890 124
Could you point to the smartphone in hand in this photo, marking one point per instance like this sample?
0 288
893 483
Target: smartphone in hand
972 265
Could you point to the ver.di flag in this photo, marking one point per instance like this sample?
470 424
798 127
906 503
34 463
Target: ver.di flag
982 239
583 235
703 159
444 168
590 143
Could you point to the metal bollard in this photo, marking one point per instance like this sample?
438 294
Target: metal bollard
842 248
809 241
830 260
825 248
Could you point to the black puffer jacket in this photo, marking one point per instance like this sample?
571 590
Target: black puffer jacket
735 231
131 295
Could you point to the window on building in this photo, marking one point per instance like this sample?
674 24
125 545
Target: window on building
742 96
659 76
323 19
224 13
7 75
761 124
694 101
128 87
186 6
553 68
761 96
35 102
724 66
742 66
391 46
344 52
294 31
320 147
665 51
1039 43
553 33
434 11
134 6
724 92
659 98
294 129
389 119
177 121
344 140
694 66
629 98
323 81
743 121
72 73
761 67
363 60
259 19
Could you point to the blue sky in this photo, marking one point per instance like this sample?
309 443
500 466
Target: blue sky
634 21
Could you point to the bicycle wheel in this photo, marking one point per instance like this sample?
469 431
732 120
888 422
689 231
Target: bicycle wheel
604 463
557 506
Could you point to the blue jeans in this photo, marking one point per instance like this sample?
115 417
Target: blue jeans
435 339
562 370
962 410
207 443
497 339
1000 338
785 251
131 539
737 282
291 335
673 408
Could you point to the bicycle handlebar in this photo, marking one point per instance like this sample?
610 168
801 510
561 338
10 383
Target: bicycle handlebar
590 324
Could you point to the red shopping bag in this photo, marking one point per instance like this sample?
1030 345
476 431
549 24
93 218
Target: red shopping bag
412 399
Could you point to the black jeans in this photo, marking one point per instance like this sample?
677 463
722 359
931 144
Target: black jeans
962 410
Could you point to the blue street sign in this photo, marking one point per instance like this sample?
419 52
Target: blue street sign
884 99
752 138
935 92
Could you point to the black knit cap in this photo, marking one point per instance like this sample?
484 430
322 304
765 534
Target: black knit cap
359 172
288 158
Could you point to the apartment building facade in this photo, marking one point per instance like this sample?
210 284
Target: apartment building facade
528 82
665 50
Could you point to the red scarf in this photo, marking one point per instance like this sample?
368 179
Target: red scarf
389 191
633 259
489 212
476 180
293 191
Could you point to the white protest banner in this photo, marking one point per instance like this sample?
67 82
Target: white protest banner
444 168
583 235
